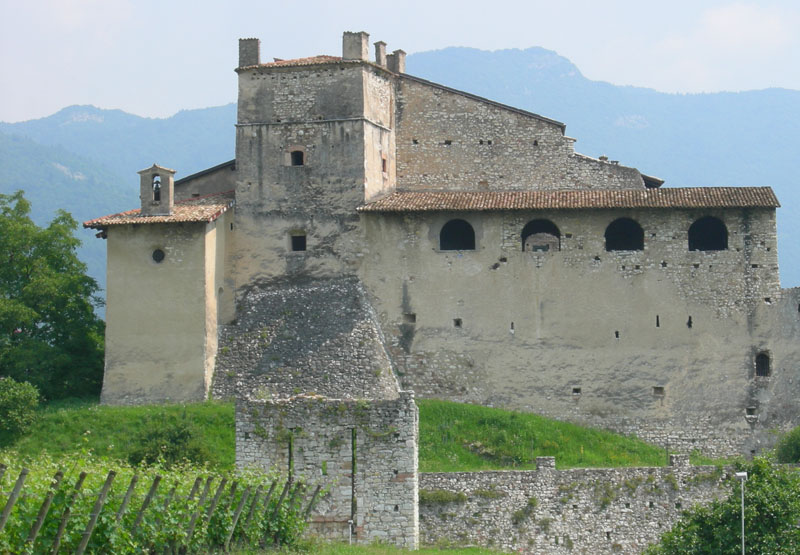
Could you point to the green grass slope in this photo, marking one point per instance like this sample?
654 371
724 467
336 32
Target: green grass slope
76 426
457 437
454 437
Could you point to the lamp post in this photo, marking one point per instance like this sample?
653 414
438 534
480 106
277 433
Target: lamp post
742 476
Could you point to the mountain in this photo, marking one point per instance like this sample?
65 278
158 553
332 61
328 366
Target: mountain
85 159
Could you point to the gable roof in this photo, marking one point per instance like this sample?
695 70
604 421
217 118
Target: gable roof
694 197
200 209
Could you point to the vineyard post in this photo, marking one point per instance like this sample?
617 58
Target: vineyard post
67 510
146 502
98 506
13 498
45 508
236 515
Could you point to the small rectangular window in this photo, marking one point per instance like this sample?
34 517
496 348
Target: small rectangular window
298 243
658 391
410 318
457 322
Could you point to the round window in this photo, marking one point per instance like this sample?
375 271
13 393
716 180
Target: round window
158 256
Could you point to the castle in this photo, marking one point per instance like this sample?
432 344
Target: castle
484 261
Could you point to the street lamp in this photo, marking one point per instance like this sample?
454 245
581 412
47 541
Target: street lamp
743 477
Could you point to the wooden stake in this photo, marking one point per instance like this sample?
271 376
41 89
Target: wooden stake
13 498
45 508
67 511
98 506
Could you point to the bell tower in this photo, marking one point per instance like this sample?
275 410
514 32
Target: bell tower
157 190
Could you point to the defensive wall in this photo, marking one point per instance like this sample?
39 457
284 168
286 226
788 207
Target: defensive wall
660 342
364 452
549 511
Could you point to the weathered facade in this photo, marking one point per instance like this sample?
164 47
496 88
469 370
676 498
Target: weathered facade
499 266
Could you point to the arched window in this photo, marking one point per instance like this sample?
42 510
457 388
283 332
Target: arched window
762 365
298 157
156 188
708 234
541 235
624 234
457 235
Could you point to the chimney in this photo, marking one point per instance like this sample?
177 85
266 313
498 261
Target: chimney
355 46
380 53
157 190
397 61
249 52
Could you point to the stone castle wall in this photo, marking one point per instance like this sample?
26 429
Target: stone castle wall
659 342
549 511
364 452
455 141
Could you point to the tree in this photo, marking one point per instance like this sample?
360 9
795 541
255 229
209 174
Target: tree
49 333
788 448
772 516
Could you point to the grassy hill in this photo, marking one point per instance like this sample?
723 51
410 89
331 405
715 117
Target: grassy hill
453 436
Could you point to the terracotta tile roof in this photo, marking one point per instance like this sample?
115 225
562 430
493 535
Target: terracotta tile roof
695 197
201 209
313 60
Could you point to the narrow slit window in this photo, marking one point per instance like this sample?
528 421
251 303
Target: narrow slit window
763 365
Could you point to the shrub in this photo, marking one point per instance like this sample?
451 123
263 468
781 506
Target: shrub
788 448
18 402
170 441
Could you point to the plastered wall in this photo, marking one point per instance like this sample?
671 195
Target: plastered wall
659 342
156 342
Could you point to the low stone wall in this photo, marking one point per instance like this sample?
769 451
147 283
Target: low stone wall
364 452
549 511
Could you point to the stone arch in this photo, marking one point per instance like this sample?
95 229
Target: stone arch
541 235
708 234
457 235
624 234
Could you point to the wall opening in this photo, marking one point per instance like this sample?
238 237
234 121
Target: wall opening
624 234
708 234
689 323
158 256
658 321
763 365
353 501
658 391
541 236
410 318
298 158
457 322
298 242
156 188
457 235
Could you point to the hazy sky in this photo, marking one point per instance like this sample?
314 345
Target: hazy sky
155 57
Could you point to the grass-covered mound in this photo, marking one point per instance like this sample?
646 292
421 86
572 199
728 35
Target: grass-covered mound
459 437
453 436
204 430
